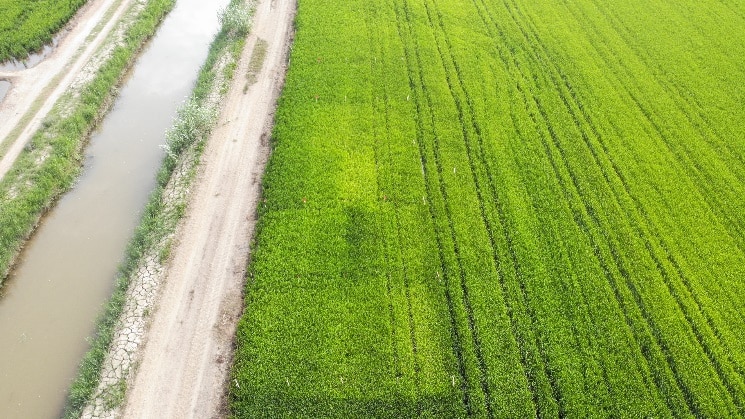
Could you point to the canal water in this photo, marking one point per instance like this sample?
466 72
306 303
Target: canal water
67 271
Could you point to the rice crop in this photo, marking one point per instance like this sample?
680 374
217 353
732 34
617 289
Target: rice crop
502 208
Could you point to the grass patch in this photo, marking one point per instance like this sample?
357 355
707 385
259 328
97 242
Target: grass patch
115 395
256 63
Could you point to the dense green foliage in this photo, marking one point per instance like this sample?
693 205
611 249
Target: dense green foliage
185 141
26 25
502 208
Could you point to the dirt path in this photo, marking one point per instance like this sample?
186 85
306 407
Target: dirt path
185 361
35 90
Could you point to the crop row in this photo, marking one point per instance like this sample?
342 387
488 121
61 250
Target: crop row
500 208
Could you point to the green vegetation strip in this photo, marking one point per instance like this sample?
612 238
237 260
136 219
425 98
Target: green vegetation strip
184 144
502 208
27 25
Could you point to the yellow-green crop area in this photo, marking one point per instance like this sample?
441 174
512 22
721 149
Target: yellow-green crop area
26 25
503 208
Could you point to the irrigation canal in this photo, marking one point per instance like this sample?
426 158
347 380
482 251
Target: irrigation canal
67 271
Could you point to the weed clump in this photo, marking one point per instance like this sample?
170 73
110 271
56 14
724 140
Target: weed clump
193 121
235 19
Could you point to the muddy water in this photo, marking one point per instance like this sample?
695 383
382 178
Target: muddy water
4 87
67 270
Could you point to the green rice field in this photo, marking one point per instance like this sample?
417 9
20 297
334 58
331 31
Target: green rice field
502 208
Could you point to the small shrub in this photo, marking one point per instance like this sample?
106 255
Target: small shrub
194 120
235 19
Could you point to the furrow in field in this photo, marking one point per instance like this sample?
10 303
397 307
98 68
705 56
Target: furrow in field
685 164
717 327
390 207
387 252
618 259
450 255
643 332
387 248
416 83
709 184
591 341
452 200
646 335
615 166
577 125
734 8
620 302
396 225
693 316
707 348
462 250
483 167
406 196
715 169
469 102
484 374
